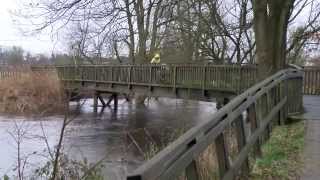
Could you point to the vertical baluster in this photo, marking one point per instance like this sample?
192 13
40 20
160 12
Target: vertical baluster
95 73
305 81
111 73
317 84
129 77
204 79
174 78
150 75
309 82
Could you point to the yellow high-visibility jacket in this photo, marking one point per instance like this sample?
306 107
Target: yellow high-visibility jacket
155 59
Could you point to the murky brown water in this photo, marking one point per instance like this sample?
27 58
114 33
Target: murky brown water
101 135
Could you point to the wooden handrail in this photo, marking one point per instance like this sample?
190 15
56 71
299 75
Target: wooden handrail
204 77
311 84
181 154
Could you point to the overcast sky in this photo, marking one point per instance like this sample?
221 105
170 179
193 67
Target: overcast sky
10 35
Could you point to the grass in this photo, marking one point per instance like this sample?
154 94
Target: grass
282 154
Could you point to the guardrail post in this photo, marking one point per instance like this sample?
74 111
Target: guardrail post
254 123
222 155
191 171
241 141
221 149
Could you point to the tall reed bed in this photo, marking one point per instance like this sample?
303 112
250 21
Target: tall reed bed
27 92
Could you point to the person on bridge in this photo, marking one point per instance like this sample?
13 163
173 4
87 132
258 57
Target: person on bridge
155 59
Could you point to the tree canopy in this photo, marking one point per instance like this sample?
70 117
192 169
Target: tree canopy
218 31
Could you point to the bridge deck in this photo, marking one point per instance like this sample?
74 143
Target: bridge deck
312 138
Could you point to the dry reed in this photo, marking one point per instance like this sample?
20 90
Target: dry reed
28 92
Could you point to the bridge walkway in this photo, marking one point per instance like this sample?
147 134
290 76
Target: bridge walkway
311 153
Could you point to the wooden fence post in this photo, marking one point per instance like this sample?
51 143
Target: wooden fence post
222 155
192 172
241 141
252 115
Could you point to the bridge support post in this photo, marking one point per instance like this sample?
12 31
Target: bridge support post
95 101
115 100
113 97
102 100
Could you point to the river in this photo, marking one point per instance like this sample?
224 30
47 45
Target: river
101 135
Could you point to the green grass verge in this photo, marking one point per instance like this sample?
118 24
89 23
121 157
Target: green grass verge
282 154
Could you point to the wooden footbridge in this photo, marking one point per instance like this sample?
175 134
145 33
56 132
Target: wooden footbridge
258 105
200 82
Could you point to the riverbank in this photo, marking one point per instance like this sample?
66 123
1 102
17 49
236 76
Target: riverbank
31 93
282 154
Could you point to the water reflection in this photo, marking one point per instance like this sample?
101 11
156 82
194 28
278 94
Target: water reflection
104 134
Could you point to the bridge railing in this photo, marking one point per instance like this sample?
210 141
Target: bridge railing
219 77
311 80
18 71
262 106
11 72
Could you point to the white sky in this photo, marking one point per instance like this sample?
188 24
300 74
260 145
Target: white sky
10 35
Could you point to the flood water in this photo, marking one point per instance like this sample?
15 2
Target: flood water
101 135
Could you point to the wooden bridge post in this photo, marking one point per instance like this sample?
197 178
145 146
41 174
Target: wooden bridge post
115 100
101 100
95 101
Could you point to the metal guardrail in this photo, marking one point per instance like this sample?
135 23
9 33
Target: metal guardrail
265 103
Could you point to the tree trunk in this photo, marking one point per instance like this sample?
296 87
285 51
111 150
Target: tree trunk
142 32
131 32
271 24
